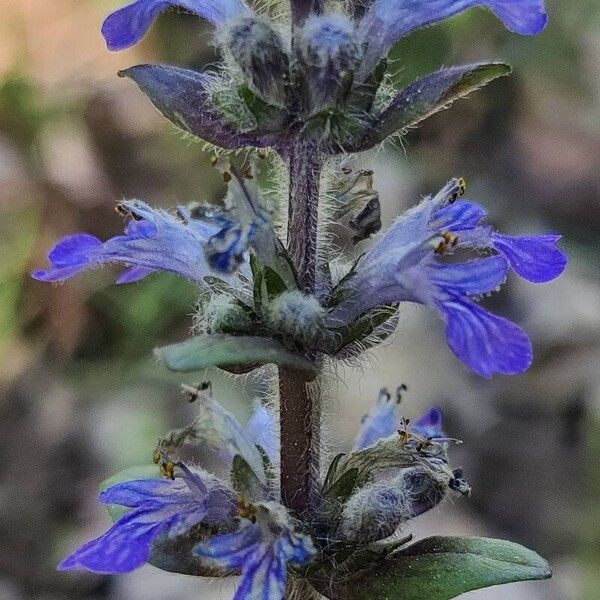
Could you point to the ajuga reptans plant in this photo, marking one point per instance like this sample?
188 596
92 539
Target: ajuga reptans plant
306 83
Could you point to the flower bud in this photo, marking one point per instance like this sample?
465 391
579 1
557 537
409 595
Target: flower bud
259 52
223 314
329 54
296 315
377 510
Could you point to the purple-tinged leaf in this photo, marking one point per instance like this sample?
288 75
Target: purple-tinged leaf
426 97
183 96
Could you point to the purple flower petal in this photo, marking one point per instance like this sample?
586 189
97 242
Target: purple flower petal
124 547
380 422
134 274
73 249
160 505
262 551
128 25
430 424
386 21
231 550
142 493
469 278
154 240
485 342
457 216
535 258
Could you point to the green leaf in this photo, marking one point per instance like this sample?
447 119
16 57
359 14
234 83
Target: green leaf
427 96
441 568
217 350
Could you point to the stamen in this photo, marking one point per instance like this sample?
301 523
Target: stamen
399 390
194 392
167 469
247 510
403 432
181 216
449 241
460 189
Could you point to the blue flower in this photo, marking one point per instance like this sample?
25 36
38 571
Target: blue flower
408 264
387 21
128 25
384 420
154 240
262 549
429 425
160 506
254 536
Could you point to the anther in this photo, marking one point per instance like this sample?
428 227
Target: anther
449 240
122 210
226 176
181 216
156 456
167 469
194 392
246 510
399 390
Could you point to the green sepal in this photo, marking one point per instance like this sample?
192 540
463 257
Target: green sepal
441 568
425 97
274 283
332 471
364 327
362 97
240 352
245 481
269 118
341 489
258 276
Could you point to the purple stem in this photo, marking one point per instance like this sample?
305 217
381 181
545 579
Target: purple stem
299 404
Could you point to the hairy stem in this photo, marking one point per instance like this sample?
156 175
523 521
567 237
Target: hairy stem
299 422
305 163
299 402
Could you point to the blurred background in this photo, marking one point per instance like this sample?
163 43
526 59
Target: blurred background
80 396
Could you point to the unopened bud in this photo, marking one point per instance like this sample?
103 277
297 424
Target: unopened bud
224 314
259 52
329 54
376 511
296 315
